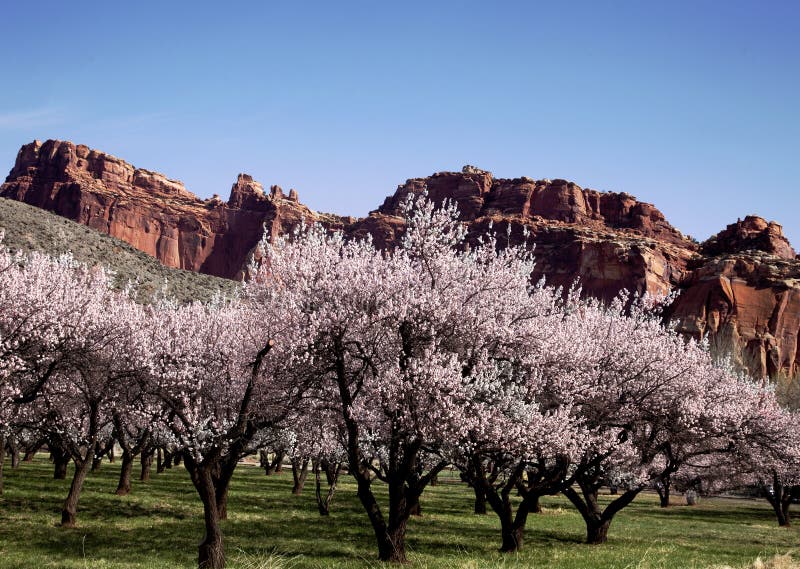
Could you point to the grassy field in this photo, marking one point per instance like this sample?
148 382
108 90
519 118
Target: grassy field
160 523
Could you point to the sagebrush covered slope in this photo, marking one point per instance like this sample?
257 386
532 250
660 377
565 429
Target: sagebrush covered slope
29 228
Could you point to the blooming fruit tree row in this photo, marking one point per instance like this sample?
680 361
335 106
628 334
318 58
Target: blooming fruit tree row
391 365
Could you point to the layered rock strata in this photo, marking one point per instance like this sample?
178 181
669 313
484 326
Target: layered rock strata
740 288
148 210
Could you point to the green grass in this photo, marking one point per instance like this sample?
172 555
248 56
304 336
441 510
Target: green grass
160 524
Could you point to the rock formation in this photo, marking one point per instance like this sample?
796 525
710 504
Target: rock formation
151 212
609 241
744 295
741 287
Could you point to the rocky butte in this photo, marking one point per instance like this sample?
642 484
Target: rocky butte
741 288
148 210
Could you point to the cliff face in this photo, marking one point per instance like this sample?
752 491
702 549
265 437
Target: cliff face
610 241
744 294
151 212
741 287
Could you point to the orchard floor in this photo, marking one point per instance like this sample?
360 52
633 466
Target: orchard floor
159 524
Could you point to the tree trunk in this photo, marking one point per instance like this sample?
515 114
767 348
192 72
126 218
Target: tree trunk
60 463
400 507
512 538
480 499
780 502
511 527
277 465
299 474
787 521
274 466
211 551
780 498
107 450
2 460
397 543
513 531
31 450
781 513
597 531
535 507
168 458
597 520
663 488
403 502
13 447
386 549
70 511
124 486
324 505
60 466
60 470
159 461
331 471
147 463
222 501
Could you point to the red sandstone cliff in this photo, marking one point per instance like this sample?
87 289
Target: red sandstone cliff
151 212
744 295
609 241
742 287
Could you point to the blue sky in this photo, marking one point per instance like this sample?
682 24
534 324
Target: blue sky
692 105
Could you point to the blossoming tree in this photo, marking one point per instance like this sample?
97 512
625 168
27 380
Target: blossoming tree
383 349
219 372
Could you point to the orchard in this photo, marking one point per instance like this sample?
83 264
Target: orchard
391 368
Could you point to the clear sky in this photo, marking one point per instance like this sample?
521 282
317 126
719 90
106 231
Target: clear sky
693 106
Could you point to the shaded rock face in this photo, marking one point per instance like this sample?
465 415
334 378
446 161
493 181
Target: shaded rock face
151 212
741 288
744 295
748 305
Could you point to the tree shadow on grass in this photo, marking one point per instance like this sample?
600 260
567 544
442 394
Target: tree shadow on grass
160 525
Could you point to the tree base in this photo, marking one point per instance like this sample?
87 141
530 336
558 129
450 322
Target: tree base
68 519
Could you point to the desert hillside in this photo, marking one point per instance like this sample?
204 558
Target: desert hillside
28 228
